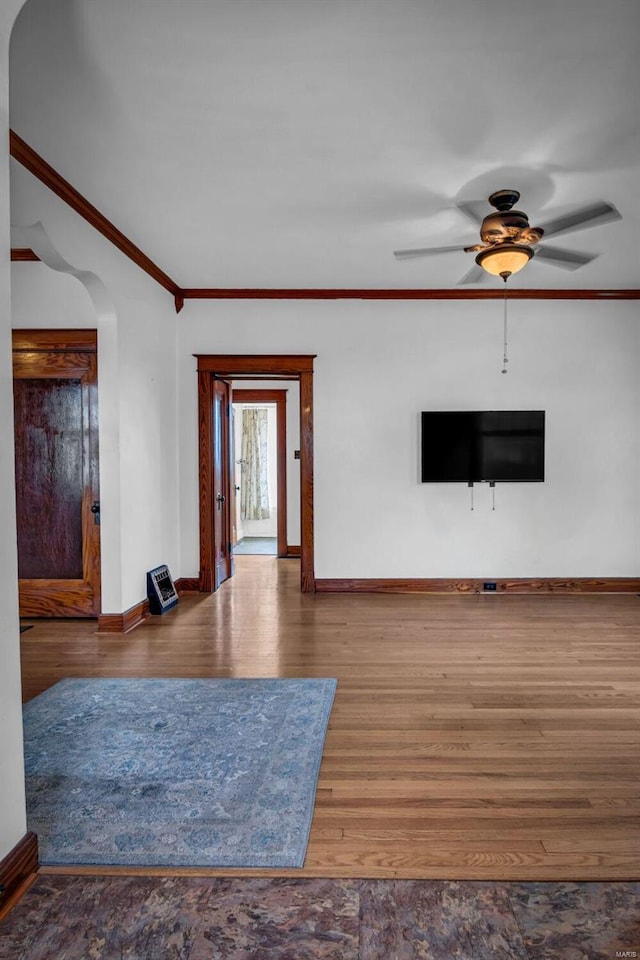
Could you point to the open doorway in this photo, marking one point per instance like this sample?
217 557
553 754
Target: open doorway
266 479
216 379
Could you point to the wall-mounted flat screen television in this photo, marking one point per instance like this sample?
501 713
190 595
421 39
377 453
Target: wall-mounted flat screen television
482 445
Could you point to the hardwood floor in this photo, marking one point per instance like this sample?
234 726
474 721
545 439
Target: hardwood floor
472 737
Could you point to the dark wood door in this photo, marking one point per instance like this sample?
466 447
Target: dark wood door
222 466
56 457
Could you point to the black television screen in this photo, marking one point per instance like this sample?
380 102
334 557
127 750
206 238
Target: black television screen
485 445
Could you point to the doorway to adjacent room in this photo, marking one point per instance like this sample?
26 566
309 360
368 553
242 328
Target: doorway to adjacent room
260 464
216 383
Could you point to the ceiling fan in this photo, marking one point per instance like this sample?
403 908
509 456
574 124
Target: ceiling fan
508 240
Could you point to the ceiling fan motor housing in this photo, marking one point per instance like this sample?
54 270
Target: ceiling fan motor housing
507 225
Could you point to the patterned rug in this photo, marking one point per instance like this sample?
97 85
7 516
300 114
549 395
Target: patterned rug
175 772
193 918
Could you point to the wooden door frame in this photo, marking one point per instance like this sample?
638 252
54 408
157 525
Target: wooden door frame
252 367
279 398
77 350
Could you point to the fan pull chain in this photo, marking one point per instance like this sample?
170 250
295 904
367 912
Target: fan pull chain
505 359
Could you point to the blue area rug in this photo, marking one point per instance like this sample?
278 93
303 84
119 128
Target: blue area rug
257 545
216 773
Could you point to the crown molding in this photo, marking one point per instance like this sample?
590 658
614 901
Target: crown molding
347 293
22 254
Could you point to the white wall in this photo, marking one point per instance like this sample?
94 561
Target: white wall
380 363
12 801
136 385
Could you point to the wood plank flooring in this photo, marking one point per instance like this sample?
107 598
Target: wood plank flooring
472 737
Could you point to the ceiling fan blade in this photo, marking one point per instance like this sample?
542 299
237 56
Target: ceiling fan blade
589 216
472 209
566 259
424 252
475 275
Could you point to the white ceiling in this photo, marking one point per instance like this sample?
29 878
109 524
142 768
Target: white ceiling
280 143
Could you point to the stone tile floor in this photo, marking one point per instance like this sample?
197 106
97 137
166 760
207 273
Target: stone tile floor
193 918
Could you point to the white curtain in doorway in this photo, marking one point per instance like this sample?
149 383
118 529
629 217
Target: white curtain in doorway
254 488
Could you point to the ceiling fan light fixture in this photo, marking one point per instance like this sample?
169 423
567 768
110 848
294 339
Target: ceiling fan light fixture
504 259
